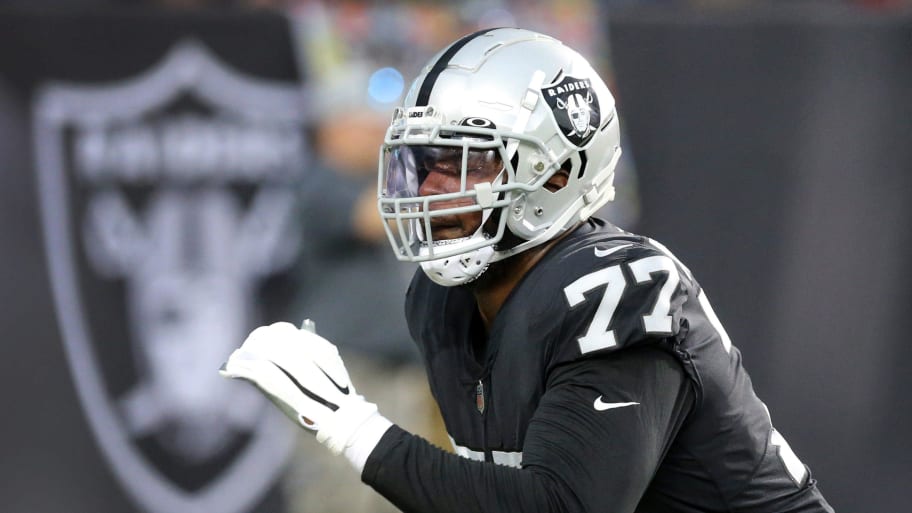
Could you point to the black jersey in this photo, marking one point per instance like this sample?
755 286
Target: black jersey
605 383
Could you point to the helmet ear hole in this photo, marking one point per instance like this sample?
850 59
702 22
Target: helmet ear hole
560 177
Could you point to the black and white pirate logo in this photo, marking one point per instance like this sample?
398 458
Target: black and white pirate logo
575 108
169 193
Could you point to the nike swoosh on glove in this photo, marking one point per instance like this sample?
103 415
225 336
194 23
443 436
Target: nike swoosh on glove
303 374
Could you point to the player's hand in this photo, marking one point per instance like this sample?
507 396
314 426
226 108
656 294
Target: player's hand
302 373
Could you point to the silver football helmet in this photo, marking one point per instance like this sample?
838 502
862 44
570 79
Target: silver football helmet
540 108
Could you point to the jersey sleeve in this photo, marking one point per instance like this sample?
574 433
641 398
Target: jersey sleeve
632 297
594 443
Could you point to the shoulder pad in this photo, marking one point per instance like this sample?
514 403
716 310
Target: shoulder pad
617 294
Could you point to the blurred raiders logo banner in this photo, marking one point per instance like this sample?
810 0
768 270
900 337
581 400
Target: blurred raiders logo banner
167 204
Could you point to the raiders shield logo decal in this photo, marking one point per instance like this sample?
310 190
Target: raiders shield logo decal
575 108
166 205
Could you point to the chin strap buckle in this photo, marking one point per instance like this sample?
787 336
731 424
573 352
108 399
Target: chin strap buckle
591 196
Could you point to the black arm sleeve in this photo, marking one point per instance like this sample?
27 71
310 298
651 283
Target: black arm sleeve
575 458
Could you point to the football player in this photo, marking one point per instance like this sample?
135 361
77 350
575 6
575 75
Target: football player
578 367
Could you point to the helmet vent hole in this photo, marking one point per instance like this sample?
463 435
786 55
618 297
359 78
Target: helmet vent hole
608 122
583 161
558 77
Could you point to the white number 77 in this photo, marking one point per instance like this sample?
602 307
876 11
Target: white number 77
658 320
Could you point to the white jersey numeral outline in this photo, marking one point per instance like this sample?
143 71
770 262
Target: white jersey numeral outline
598 336
658 320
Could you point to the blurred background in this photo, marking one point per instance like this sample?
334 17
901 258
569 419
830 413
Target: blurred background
177 172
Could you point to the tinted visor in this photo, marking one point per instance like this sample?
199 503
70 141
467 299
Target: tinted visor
408 166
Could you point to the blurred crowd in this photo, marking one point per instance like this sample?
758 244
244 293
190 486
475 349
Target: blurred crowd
467 7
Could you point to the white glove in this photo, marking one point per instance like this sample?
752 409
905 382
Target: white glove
302 373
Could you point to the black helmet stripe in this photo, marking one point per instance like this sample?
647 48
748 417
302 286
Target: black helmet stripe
424 94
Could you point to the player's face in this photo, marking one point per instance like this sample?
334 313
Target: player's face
440 172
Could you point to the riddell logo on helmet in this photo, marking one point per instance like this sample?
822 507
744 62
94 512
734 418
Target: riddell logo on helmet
575 108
